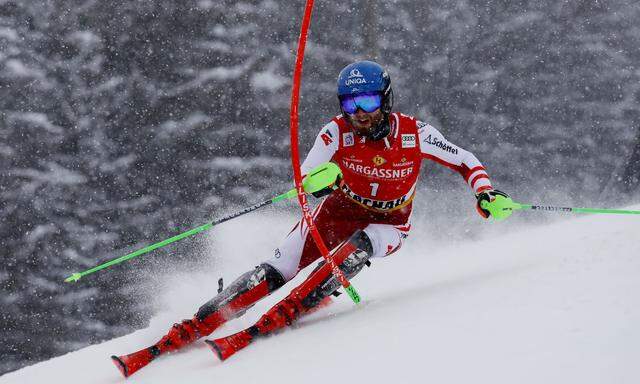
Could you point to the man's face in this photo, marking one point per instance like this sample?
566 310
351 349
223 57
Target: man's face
363 122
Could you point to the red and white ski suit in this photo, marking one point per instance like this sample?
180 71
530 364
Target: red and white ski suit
379 184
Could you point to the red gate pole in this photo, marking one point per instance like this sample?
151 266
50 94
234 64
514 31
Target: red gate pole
295 156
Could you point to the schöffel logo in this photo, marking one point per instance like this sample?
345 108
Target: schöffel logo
441 144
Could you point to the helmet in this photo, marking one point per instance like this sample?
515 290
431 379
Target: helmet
366 77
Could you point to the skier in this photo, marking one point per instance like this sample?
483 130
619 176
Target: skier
365 214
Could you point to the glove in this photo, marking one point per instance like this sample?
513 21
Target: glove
322 180
327 190
494 197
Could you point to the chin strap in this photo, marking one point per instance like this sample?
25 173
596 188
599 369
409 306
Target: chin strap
381 130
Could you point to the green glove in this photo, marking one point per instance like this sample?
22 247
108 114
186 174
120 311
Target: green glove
322 180
494 203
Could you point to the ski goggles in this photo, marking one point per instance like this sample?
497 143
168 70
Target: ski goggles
368 102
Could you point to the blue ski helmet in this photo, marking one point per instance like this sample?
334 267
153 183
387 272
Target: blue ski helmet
367 77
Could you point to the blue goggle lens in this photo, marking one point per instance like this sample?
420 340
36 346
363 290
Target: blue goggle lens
368 102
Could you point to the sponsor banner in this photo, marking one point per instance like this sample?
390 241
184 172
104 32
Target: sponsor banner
380 205
377 172
347 139
408 140
378 160
327 137
355 77
441 144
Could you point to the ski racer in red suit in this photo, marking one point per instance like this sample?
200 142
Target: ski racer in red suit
365 215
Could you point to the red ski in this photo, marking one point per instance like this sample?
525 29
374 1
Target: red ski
313 293
224 347
128 364
131 363
188 331
179 336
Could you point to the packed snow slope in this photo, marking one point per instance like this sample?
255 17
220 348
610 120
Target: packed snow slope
558 303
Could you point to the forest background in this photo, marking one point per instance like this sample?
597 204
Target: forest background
123 122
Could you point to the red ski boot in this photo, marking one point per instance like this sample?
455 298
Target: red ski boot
351 257
227 346
229 304
178 336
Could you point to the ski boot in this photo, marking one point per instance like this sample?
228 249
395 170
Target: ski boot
229 304
351 257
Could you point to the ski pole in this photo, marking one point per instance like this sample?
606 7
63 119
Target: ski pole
502 207
320 177
577 210
76 276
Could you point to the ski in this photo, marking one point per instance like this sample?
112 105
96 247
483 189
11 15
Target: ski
225 347
283 314
133 362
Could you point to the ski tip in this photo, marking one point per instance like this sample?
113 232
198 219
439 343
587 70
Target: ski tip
214 347
121 366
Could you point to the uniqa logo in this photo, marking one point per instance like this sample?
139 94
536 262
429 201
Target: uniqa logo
355 72
357 80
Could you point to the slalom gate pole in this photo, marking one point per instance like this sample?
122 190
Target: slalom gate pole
295 157
78 275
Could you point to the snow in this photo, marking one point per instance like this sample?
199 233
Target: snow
9 34
170 128
218 73
243 164
522 21
17 68
221 73
268 80
86 40
39 120
543 304
55 174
